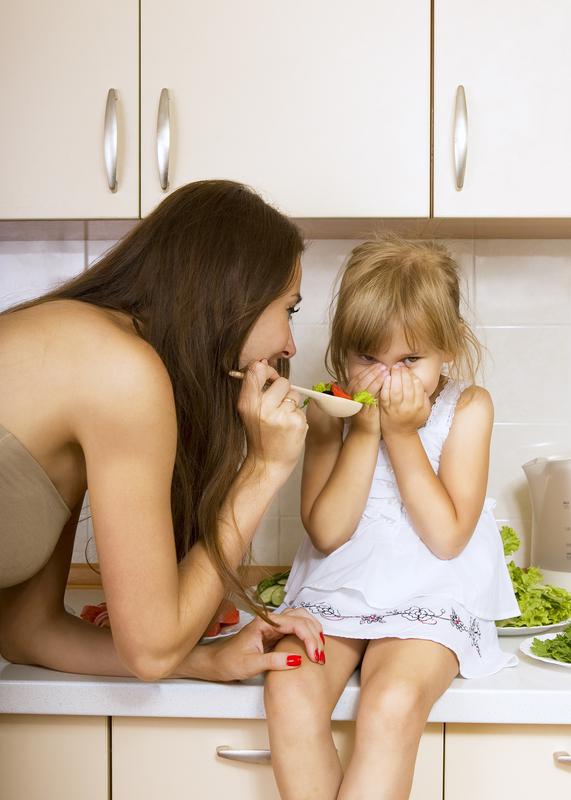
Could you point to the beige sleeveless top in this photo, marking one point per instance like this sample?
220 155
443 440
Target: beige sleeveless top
32 513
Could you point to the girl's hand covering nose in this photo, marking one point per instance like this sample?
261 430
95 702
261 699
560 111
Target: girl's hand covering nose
369 379
404 404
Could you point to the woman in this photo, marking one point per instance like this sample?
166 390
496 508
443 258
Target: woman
117 382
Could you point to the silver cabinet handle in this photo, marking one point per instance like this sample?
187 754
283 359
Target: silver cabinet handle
460 137
562 757
110 139
164 138
247 756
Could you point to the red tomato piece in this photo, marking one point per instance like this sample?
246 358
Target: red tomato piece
339 392
90 613
213 629
228 614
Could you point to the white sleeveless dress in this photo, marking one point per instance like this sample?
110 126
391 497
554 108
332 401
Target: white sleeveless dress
385 582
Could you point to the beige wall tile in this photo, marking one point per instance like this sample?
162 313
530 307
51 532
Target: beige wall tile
29 269
266 541
95 249
290 493
321 262
308 366
462 250
291 534
528 372
523 282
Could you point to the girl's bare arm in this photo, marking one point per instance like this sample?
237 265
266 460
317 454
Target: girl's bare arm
336 478
445 508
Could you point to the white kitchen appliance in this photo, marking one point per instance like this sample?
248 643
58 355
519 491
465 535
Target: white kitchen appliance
549 481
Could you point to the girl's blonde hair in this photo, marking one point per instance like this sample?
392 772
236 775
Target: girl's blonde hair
389 283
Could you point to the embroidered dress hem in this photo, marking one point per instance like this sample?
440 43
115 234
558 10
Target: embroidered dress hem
435 618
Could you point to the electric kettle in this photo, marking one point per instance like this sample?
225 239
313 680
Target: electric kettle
549 481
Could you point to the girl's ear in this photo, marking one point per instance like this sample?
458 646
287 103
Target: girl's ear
446 363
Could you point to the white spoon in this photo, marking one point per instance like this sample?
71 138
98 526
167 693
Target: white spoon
334 406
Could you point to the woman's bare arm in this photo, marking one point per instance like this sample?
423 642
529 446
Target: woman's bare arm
158 609
36 629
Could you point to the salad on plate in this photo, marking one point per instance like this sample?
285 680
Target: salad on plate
543 607
552 648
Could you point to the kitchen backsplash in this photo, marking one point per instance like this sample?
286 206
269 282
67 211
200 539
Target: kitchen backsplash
519 300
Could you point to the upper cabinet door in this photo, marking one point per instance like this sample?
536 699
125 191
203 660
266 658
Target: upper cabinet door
514 61
58 62
321 105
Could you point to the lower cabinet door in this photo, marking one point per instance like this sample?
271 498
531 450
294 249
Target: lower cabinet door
177 759
489 762
54 757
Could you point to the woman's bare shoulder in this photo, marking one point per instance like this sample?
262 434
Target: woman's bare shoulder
94 357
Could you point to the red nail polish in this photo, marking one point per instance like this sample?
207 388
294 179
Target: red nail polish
293 661
322 657
322 637
316 655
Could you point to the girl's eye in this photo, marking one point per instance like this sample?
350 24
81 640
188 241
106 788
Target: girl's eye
411 359
365 357
292 310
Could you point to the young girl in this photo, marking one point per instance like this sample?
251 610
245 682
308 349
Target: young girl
403 563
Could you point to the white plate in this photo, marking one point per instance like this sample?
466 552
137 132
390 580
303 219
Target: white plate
537 629
525 647
230 630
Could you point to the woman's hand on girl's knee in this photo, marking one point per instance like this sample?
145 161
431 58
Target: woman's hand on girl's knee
251 652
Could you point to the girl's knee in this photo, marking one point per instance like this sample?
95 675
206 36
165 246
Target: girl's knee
399 705
296 698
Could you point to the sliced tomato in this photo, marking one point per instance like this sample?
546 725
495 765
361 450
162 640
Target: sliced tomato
339 392
213 629
90 613
228 614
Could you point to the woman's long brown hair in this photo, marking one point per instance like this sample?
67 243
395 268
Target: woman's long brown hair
196 274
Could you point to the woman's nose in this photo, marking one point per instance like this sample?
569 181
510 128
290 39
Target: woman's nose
290 348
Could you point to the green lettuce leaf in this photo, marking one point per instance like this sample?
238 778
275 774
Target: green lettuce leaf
540 604
558 648
510 539
321 387
366 398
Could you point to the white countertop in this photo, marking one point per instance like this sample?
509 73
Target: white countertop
530 693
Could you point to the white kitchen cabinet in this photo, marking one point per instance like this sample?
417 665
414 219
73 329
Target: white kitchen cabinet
45 757
176 759
321 105
58 62
514 62
500 761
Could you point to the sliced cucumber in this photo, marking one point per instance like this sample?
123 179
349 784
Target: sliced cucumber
277 596
266 595
264 584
